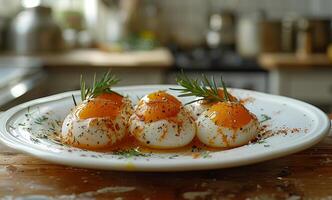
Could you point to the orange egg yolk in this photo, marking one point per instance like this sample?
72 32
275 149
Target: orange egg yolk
104 105
159 105
230 114
221 95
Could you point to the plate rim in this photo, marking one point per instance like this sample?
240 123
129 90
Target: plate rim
121 166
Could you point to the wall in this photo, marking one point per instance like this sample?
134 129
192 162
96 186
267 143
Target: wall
9 8
278 8
187 20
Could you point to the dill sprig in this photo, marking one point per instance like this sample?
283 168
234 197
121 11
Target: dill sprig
204 88
265 118
74 100
101 86
40 120
224 89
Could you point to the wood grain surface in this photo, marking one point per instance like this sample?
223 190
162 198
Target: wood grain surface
305 175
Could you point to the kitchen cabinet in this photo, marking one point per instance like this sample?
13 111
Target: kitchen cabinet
312 85
308 79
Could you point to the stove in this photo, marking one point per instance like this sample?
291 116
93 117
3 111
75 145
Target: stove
236 71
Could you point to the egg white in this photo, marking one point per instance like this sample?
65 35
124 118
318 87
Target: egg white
197 108
218 136
166 133
94 133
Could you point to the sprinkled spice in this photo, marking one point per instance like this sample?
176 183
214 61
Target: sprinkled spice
247 100
51 127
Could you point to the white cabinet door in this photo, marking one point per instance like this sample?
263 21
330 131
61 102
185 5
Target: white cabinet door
312 85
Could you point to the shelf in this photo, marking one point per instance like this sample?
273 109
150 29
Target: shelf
275 61
155 58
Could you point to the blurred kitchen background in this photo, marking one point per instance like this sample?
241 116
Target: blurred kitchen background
282 47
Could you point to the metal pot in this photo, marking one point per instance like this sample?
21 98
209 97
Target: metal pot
34 31
221 31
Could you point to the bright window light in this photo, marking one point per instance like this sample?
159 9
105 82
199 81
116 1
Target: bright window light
30 3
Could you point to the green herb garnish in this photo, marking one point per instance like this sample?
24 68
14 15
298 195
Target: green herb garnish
173 156
261 142
40 120
265 118
74 100
205 88
206 154
102 86
129 153
224 89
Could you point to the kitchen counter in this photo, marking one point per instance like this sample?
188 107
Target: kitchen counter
308 79
160 58
304 175
286 60
132 68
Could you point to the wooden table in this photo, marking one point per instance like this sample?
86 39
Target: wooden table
305 175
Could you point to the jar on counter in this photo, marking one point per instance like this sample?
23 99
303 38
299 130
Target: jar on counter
248 34
288 33
304 38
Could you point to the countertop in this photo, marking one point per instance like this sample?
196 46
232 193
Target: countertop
304 175
160 57
270 61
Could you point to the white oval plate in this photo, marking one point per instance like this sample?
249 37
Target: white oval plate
29 128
